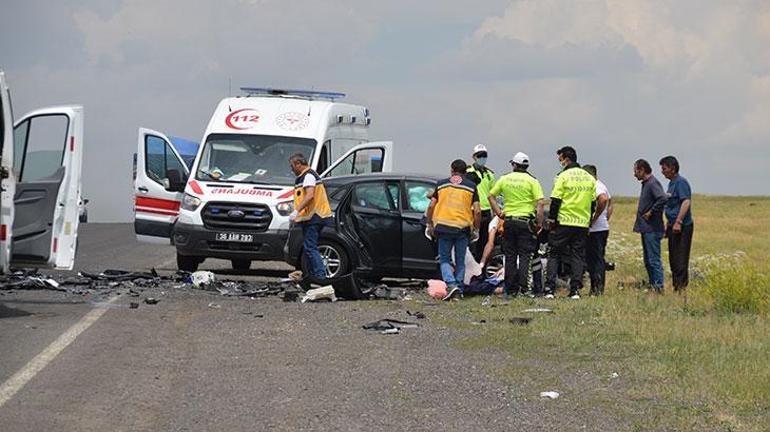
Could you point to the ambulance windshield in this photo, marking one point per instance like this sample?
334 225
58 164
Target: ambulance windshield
259 159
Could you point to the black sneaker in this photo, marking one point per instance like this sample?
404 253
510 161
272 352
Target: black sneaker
452 292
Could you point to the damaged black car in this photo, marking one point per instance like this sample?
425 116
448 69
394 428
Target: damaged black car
378 228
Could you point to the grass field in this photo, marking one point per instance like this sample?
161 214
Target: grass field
670 362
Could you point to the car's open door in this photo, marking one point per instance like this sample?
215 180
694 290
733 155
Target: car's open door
7 179
47 160
160 177
364 158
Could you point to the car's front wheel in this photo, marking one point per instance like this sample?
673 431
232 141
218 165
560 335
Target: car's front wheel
334 257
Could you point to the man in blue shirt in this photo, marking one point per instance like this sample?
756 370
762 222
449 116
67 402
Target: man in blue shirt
680 226
649 221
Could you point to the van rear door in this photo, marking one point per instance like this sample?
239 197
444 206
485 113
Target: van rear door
160 177
364 158
47 160
7 180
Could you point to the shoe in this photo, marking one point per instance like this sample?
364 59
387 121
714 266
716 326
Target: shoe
575 296
548 296
452 292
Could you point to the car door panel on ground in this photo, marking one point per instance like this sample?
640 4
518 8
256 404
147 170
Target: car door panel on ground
47 159
160 177
419 253
377 223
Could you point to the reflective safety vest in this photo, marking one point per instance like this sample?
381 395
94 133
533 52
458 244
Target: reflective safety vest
521 191
485 180
319 205
576 189
454 206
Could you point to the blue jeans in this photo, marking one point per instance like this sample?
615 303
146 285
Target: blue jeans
310 234
445 244
652 262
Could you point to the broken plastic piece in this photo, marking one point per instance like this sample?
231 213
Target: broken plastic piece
387 323
394 330
151 300
202 279
323 293
549 394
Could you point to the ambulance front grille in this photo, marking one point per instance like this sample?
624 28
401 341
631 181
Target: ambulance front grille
226 216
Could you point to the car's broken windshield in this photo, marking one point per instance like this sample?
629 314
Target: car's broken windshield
260 159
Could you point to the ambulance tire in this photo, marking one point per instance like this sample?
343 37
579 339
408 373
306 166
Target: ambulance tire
338 263
187 263
241 264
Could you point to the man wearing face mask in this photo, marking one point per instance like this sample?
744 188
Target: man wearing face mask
485 180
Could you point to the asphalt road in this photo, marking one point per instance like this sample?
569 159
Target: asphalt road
197 361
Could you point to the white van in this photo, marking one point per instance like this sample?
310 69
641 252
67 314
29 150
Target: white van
235 202
40 181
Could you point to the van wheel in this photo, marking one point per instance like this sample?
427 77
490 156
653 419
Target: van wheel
187 263
241 264
334 257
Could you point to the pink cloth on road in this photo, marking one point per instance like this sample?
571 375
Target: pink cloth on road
437 288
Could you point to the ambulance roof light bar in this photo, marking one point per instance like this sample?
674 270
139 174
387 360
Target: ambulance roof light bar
311 94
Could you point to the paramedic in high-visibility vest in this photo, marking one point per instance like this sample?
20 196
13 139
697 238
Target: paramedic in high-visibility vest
311 211
523 215
484 178
454 217
572 206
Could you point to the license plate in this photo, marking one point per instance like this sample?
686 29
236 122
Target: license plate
235 237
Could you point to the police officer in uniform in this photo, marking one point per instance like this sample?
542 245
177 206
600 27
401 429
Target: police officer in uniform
572 206
484 178
523 215
453 217
311 211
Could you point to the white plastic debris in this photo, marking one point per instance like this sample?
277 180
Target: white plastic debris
323 293
538 310
615 375
549 394
391 331
202 278
52 282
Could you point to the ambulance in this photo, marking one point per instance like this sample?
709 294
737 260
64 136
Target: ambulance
234 202
40 198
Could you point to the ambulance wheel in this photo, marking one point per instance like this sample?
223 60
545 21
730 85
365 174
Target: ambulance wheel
187 263
334 257
241 264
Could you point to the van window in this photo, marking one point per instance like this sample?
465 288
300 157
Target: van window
258 159
161 162
323 159
39 145
360 162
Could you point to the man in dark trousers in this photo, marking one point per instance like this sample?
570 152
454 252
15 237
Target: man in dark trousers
484 178
523 216
649 222
680 225
598 233
454 217
572 205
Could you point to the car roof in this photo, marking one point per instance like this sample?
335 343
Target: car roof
379 176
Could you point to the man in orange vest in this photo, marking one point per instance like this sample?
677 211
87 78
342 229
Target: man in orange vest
311 211
454 216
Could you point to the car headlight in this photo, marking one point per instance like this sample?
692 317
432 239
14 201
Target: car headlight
285 208
190 202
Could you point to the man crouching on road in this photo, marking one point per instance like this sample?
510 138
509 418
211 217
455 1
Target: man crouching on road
454 210
311 211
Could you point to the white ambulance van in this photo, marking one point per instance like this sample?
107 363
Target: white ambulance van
235 202
40 185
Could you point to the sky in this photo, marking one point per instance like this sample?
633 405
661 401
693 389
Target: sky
616 79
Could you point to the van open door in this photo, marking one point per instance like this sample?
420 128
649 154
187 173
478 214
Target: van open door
7 180
47 161
364 158
160 177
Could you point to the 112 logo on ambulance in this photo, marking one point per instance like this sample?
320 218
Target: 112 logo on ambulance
242 119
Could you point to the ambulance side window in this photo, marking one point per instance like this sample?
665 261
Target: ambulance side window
161 162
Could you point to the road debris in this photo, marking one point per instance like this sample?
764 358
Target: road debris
519 320
215 306
418 314
151 300
549 394
538 310
323 293
202 279
133 305
389 324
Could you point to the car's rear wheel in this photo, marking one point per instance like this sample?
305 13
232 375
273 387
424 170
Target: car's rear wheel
334 258
187 263
241 264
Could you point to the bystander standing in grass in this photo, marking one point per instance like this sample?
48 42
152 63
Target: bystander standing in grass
679 228
598 233
649 221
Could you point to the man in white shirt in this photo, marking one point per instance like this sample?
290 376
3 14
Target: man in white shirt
598 233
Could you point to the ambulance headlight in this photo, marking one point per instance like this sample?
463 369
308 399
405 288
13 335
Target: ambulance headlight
285 208
190 202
